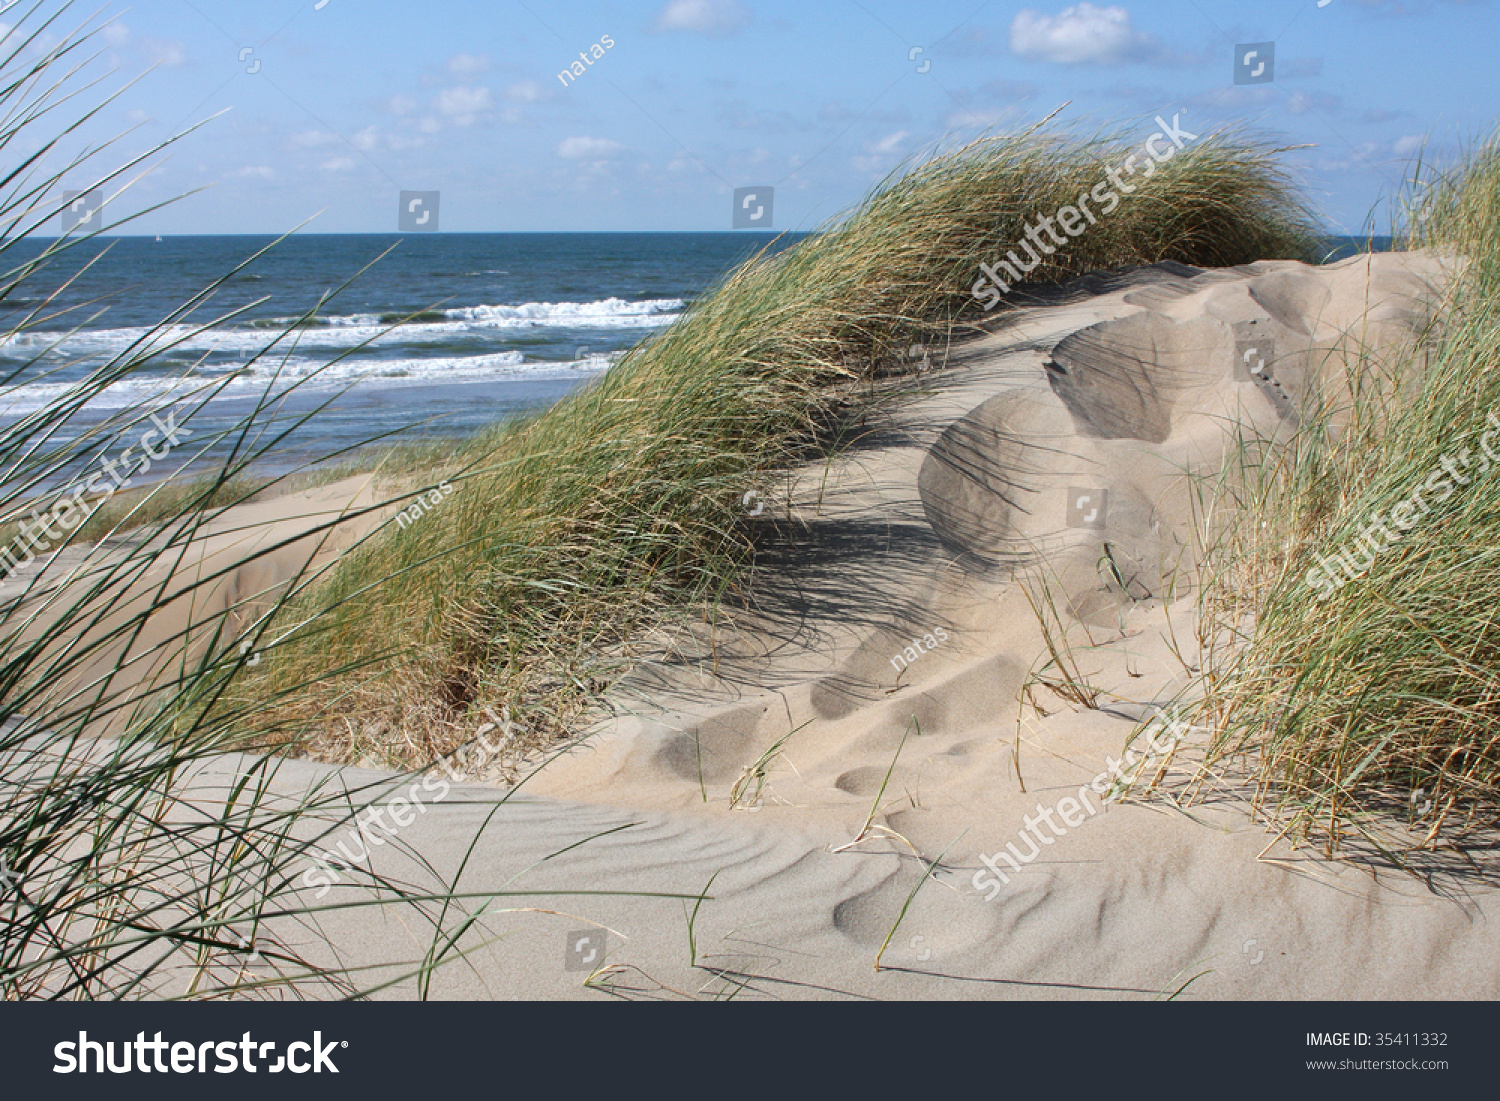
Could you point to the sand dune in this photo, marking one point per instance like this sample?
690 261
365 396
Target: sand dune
217 580
891 645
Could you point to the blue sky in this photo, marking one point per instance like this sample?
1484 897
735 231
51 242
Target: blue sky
362 98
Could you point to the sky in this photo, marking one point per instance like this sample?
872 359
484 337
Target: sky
329 110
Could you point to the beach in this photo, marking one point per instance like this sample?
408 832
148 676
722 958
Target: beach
874 781
986 514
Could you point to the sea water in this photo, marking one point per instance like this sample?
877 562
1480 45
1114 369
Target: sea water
434 335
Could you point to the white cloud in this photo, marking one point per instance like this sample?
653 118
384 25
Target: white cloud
879 153
1300 103
468 65
254 172
586 148
1080 35
716 17
463 105
401 105
1405 147
338 164
163 51
527 91
984 118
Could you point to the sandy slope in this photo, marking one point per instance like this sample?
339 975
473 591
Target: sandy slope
890 608
220 577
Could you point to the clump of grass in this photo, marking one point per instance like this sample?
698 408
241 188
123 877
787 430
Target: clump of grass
620 507
752 782
1348 706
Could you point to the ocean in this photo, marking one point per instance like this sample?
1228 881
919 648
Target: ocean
499 324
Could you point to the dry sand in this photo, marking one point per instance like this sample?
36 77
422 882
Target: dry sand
220 578
1108 391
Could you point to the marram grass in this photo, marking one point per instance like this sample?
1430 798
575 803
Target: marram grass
621 507
1377 705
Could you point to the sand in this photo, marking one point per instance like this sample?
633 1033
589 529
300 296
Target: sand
890 624
218 579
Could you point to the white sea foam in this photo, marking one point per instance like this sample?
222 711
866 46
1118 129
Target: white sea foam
340 332
252 380
657 311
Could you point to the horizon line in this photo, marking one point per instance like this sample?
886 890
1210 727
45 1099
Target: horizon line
530 233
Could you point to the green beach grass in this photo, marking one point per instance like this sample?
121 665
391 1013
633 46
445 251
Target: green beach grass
620 508
1378 702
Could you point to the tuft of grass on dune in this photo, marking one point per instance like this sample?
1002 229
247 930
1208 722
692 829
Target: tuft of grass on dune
1374 712
568 536
107 889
